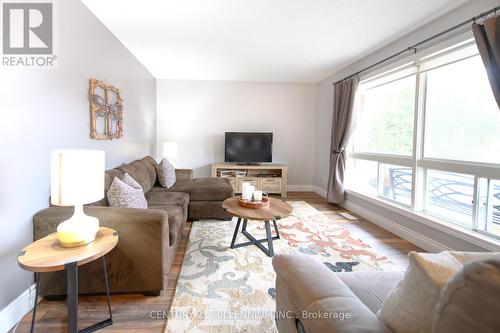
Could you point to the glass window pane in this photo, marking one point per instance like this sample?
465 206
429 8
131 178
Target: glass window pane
449 196
462 117
385 118
489 205
365 177
397 183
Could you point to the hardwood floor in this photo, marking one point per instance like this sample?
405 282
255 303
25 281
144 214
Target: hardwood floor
138 313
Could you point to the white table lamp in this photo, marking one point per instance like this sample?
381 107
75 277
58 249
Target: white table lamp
77 178
170 150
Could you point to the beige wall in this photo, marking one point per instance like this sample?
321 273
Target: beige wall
42 110
197 113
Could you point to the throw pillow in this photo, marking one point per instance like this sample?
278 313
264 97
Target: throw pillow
166 173
457 310
468 257
122 195
409 306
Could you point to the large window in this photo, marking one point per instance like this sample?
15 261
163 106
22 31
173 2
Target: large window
386 111
427 139
462 120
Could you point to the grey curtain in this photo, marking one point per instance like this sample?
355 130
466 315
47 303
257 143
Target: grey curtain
342 127
487 37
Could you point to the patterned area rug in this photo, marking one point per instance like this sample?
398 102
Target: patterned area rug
232 290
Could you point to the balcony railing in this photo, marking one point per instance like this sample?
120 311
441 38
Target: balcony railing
451 192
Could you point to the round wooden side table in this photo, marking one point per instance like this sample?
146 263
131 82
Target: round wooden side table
278 209
46 255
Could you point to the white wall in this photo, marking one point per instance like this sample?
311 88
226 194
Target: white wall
324 104
42 110
197 113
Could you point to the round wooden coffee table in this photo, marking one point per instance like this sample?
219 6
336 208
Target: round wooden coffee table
278 209
46 255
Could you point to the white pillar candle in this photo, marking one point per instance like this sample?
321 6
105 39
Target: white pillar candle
245 191
257 195
251 190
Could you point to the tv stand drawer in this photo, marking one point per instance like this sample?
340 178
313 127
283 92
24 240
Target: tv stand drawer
251 180
270 178
271 185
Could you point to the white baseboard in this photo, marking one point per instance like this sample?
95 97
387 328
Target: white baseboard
397 229
319 191
17 309
299 188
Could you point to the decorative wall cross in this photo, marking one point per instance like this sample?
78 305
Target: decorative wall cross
106 111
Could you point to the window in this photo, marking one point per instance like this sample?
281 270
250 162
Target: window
427 138
462 118
450 196
489 206
366 179
386 111
396 183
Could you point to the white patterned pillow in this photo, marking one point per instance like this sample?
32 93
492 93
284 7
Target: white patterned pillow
122 195
166 173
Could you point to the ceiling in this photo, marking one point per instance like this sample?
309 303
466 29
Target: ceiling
259 40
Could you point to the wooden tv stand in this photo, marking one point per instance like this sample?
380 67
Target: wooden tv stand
270 178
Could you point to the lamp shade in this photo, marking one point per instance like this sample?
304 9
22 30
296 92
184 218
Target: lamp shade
77 177
170 149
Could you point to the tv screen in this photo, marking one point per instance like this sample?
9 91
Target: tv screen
248 147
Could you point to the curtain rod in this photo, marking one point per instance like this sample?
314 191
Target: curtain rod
414 47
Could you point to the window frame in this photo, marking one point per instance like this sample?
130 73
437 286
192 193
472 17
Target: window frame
417 161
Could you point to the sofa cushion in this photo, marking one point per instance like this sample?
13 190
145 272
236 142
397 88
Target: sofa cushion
410 305
138 171
110 176
183 175
371 288
305 286
158 196
201 210
478 283
176 217
205 189
150 165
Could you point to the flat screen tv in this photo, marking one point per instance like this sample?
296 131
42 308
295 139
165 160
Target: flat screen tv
248 147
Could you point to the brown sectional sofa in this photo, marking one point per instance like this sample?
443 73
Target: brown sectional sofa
312 298
305 286
149 238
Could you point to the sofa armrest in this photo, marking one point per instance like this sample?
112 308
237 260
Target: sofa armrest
45 221
183 175
141 258
310 293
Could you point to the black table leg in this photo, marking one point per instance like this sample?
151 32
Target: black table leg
269 240
72 301
276 229
37 285
257 242
106 322
236 232
108 296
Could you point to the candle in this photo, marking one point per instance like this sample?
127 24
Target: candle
257 196
246 194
